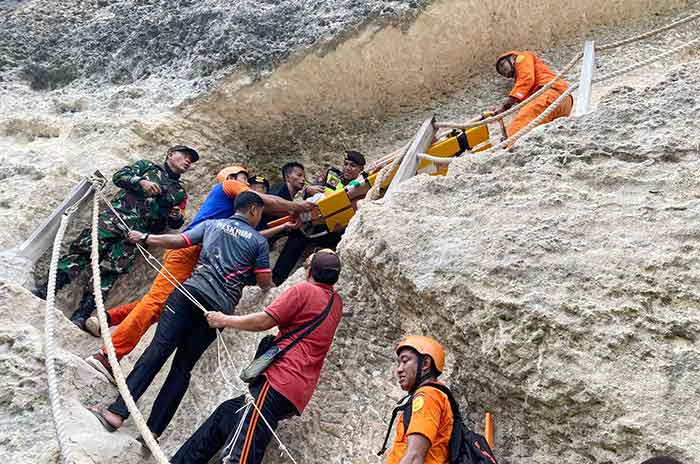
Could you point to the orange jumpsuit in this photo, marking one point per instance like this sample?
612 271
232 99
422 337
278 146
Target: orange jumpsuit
531 74
133 319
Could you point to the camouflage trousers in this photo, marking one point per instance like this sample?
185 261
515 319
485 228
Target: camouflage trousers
117 256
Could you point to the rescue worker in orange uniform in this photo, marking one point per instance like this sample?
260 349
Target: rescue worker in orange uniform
531 74
133 319
427 438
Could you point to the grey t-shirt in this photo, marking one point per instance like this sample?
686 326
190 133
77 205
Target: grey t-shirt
232 253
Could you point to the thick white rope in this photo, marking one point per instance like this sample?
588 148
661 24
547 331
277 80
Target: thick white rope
651 60
107 339
59 420
107 336
375 191
648 34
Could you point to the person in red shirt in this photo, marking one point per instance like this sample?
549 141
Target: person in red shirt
287 385
530 75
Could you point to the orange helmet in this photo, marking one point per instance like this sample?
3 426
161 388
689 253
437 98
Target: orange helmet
425 346
229 170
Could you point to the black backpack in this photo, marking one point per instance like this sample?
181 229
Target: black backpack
466 446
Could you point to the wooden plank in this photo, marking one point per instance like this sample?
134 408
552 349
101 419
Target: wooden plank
42 237
409 164
583 102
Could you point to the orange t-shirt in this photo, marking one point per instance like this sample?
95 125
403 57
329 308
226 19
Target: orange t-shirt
233 188
431 417
531 74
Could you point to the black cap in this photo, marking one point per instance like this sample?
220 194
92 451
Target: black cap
259 180
185 149
355 157
325 260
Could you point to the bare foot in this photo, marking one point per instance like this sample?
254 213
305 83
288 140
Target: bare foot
108 419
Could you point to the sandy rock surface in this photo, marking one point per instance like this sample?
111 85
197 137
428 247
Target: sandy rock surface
561 276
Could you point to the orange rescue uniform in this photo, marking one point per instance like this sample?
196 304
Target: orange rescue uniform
431 416
133 319
531 74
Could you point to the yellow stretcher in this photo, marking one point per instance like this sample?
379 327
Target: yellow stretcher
337 208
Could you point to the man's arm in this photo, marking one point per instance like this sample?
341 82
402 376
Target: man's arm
189 238
164 241
274 205
264 280
278 206
131 178
291 224
256 322
417 447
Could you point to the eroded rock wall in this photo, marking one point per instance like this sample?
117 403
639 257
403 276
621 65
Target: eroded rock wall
562 278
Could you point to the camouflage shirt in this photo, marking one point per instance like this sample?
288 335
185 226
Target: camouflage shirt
139 211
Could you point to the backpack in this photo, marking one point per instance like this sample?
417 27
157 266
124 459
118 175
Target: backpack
466 446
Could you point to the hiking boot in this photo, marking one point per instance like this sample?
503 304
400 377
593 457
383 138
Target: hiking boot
101 364
92 326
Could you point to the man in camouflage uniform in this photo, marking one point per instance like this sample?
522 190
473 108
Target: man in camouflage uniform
151 198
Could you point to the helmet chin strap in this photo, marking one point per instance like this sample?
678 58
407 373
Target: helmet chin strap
421 377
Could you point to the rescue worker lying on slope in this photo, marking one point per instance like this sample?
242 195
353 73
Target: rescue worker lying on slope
420 362
530 75
286 386
233 255
133 319
151 198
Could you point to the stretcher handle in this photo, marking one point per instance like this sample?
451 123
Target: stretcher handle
279 222
501 123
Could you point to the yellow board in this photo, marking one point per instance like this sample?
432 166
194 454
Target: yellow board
478 135
457 143
336 209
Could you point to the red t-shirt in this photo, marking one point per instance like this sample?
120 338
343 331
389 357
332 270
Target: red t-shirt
296 374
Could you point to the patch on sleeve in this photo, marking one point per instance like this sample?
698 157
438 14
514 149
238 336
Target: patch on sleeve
418 403
519 59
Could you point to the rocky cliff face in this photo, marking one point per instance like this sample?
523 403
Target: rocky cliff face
561 277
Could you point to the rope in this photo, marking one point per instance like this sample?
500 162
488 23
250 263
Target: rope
59 420
111 354
107 338
648 34
376 190
641 64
